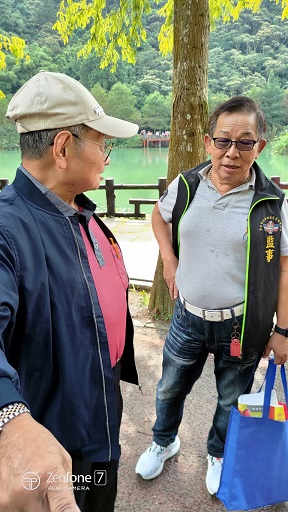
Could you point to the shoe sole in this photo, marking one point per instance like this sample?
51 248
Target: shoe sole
212 493
160 469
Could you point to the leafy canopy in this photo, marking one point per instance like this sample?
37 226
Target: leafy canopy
13 45
116 32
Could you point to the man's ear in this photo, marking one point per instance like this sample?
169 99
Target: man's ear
62 144
207 142
261 145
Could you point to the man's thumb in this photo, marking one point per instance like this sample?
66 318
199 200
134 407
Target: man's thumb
62 501
266 352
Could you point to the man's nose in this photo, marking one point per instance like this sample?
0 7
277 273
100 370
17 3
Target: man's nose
232 151
107 162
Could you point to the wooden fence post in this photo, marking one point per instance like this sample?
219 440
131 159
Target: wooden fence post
162 183
3 182
110 197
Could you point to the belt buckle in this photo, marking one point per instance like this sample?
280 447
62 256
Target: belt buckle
240 309
215 315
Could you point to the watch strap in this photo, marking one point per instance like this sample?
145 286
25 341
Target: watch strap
11 411
279 330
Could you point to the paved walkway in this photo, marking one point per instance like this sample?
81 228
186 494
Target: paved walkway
139 247
181 486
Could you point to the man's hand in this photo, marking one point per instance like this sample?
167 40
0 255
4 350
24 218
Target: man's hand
279 345
169 270
26 446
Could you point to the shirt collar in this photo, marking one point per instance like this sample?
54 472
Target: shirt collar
87 206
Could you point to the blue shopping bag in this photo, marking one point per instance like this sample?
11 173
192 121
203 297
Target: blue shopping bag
255 465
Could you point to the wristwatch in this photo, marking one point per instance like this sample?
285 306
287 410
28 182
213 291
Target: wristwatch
284 332
11 411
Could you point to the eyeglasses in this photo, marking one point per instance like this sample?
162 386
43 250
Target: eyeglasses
106 149
241 145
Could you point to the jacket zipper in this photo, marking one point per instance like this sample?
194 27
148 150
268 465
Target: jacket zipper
247 266
97 335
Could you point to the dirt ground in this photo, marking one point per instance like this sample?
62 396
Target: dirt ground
181 486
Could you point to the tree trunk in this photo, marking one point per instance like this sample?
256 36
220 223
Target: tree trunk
189 109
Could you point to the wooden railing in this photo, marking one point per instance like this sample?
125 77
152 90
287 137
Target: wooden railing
283 185
110 188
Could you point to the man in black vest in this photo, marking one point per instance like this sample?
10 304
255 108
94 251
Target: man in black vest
226 266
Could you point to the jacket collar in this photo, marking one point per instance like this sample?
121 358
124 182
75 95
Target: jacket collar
26 188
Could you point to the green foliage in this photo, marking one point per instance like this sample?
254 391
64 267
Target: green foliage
156 112
100 96
12 45
215 99
166 33
114 32
144 298
250 56
228 10
121 103
279 146
117 32
271 99
9 139
247 56
151 72
133 142
248 50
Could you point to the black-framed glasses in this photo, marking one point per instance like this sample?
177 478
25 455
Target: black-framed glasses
241 145
105 148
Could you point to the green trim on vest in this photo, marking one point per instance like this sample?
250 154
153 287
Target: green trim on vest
184 211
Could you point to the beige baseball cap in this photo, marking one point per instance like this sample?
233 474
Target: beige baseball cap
54 100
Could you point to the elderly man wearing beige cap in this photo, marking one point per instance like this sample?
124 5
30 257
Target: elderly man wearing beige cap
65 327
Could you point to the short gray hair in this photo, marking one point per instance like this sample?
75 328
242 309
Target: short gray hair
34 145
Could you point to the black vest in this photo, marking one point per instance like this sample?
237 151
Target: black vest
263 253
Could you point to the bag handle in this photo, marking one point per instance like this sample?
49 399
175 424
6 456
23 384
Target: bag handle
270 380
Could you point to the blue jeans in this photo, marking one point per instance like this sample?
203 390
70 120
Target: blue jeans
188 343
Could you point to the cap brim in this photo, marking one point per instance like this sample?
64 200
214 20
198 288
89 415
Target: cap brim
113 127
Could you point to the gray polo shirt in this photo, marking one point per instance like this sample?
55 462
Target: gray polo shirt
213 241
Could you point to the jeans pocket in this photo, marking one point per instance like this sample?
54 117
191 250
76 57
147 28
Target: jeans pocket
248 361
179 310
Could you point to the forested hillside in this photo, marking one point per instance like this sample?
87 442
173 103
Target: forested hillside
249 56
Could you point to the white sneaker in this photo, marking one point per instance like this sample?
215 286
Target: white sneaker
152 461
213 473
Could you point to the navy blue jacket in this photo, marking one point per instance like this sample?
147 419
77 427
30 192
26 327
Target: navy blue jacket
54 349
